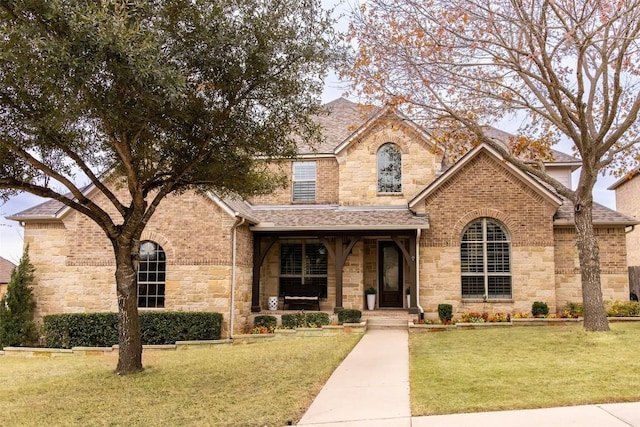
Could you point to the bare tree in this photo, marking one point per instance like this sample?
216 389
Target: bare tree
559 69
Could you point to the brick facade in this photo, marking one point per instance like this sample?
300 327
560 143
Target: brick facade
75 262
628 203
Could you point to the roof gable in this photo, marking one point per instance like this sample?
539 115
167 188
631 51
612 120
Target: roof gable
467 158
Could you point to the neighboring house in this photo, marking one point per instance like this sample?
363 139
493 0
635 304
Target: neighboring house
371 206
628 202
6 268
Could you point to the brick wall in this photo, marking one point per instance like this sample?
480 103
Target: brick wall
75 264
628 203
485 188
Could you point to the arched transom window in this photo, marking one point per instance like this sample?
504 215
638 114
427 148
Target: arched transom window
151 275
389 169
485 258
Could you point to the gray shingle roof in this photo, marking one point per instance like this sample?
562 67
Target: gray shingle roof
602 215
336 218
45 210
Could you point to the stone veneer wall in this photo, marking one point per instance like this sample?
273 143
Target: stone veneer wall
485 188
628 203
359 166
75 264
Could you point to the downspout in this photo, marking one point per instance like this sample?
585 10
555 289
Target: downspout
418 232
234 229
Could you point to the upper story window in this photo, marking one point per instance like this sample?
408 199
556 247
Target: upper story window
304 181
485 261
151 275
389 169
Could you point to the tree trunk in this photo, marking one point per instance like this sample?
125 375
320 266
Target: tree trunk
595 317
130 351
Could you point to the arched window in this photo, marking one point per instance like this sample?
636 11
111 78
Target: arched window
151 275
389 169
485 258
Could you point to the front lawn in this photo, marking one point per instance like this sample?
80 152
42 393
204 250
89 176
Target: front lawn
523 367
242 385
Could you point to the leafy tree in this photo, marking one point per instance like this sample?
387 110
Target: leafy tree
559 69
17 307
148 98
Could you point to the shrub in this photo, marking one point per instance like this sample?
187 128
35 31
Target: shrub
348 315
101 329
304 320
539 309
572 310
445 312
17 307
624 309
266 321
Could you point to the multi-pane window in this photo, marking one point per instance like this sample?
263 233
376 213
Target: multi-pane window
303 263
485 257
389 169
304 181
151 275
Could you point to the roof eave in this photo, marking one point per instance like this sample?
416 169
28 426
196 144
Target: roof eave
262 227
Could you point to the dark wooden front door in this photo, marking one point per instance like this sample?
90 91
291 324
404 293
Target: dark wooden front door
389 275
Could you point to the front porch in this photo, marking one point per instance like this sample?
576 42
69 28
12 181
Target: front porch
341 264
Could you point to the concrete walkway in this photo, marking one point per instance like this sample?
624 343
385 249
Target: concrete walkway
371 388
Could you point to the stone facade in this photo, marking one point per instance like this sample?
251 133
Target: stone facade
75 262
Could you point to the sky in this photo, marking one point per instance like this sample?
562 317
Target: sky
11 232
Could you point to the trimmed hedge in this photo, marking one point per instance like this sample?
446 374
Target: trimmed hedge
305 320
265 320
101 329
348 315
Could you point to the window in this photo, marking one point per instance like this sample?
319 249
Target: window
304 181
151 275
389 169
485 257
303 263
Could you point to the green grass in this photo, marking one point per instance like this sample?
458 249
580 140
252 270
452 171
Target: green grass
523 367
262 384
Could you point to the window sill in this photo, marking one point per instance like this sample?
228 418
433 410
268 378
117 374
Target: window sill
390 194
491 300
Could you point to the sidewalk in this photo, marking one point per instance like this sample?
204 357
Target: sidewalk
371 388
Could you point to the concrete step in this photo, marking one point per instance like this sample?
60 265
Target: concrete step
386 322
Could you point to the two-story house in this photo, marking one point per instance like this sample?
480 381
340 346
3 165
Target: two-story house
372 206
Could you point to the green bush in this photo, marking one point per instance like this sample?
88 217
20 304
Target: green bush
304 320
17 307
267 321
539 309
624 309
348 315
445 312
573 310
101 329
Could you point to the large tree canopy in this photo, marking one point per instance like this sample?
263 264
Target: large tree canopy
560 69
168 96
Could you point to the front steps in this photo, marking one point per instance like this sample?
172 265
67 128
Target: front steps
387 319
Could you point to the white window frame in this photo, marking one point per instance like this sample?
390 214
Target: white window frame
304 182
485 264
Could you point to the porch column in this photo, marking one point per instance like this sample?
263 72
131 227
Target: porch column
255 284
259 254
338 264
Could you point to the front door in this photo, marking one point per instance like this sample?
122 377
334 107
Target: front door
389 275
